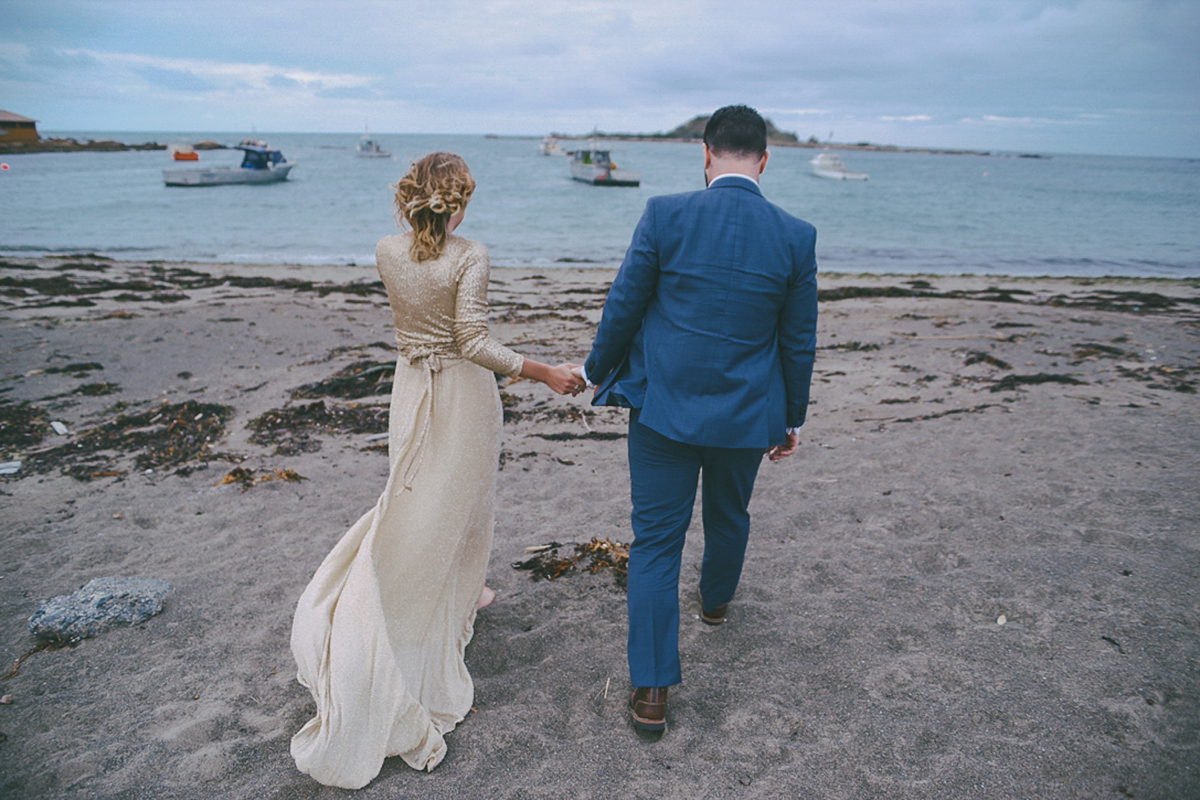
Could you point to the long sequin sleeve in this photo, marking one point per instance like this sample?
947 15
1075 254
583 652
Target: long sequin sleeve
471 322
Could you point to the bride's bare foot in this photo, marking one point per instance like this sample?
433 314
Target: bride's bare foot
485 598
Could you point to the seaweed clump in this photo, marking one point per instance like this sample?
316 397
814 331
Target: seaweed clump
1174 379
591 557
1110 300
1010 382
978 356
22 425
852 347
246 477
161 284
854 292
1091 350
290 429
166 436
360 379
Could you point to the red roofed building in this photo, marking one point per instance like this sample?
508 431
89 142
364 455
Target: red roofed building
15 128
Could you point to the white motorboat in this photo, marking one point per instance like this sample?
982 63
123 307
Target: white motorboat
260 164
829 165
369 148
549 146
597 168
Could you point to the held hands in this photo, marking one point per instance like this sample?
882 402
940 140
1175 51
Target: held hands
561 379
564 379
577 371
784 450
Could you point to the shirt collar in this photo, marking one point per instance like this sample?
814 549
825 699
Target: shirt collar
733 175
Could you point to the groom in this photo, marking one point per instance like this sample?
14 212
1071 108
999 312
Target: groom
708 336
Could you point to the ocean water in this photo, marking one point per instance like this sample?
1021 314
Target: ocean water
1003 214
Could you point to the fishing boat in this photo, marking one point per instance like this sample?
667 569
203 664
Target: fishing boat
829 165
597 168
369 148
549 146
260 164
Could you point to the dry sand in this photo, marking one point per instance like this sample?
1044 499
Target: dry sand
971 582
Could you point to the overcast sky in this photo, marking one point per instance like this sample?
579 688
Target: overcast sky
1093 76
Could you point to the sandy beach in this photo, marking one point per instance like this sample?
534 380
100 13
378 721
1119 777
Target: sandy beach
978 578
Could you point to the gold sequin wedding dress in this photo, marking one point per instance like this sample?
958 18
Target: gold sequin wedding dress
379 633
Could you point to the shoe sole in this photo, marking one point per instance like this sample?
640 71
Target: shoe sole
648 725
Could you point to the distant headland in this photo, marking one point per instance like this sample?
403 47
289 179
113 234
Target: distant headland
693 131
90 145
690 131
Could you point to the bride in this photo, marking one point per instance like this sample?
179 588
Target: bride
380 631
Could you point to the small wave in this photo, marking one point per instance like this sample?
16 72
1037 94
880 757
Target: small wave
880 261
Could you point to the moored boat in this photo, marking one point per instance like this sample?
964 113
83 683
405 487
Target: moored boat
829 165
549 146
260 164
369 148
183 152
597 168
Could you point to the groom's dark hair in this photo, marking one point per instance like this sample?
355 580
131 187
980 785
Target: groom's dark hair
736 130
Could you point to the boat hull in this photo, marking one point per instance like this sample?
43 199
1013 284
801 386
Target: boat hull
599 176
830 167
218 176
839 175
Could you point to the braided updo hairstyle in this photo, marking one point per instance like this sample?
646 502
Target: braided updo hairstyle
435 188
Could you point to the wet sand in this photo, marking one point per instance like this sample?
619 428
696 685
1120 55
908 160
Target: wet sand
978 578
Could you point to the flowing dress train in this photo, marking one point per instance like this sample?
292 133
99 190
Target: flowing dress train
380 632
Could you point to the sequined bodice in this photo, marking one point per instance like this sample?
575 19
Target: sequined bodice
440 306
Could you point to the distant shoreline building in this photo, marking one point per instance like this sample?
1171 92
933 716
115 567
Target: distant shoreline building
15 128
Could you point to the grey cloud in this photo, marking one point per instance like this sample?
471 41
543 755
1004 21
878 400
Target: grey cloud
57 59
346 93
278 81
175 79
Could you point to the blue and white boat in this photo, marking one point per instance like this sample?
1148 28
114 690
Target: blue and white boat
260 164
597 168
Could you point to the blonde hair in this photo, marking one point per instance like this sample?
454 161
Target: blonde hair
434 188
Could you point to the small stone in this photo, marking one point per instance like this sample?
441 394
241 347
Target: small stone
1000 620
6 700
98 606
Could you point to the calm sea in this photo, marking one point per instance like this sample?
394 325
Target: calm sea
1001 214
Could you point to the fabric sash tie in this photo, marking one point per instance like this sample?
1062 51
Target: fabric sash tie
429 362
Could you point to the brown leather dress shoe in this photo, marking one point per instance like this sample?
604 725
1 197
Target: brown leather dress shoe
714 617
649 708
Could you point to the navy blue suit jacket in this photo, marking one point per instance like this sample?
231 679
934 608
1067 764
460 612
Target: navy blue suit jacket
710 325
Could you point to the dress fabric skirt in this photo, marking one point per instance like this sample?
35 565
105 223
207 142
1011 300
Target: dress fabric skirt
380 631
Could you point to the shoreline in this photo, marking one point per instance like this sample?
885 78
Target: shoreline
328 271
977 578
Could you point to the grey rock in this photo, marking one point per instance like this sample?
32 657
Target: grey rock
98 606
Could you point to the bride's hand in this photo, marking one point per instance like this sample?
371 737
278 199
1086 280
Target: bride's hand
563 380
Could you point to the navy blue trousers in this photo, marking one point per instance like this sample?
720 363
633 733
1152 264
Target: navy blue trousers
663 479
